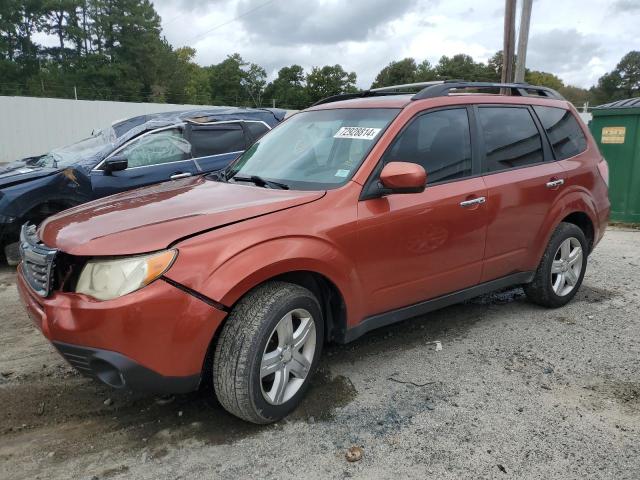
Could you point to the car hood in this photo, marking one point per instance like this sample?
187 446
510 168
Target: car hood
20 174
153 218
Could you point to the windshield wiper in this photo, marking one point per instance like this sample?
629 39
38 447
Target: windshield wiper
261 182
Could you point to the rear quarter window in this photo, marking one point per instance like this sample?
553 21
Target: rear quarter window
257 129
564 132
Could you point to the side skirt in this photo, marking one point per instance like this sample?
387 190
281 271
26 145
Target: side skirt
388 318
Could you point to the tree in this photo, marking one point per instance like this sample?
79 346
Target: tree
576 95
622 82
543 79
397 73
226 80
187 82
329 80
425 72
462 66
60 18
254 81
495 64
288 88
629 71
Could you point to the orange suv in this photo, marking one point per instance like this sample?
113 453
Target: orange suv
362 211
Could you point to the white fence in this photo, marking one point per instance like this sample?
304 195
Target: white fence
33 126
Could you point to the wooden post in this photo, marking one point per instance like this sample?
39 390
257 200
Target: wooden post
508 49
523 40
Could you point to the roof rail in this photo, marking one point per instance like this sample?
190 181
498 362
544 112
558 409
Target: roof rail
380 91
440 88
516 89
406 86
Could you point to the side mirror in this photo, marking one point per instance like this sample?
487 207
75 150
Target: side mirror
115 164
403 177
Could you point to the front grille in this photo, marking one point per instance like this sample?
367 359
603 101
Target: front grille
38 261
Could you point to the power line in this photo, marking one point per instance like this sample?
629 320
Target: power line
248 12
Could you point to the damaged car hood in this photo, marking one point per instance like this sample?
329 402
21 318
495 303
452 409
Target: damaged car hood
22 174
153 218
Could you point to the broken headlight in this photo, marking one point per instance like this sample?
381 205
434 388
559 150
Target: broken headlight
113 278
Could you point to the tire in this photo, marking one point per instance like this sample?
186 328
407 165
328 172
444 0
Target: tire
250 337
12 254
549 288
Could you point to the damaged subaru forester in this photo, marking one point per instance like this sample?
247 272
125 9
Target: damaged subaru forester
362 211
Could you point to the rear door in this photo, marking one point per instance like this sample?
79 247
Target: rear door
523 181
153 157
217 145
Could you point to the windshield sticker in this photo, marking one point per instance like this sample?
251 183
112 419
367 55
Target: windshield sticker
342 173
360 133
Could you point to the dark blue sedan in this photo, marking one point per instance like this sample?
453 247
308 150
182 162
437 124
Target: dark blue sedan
129 154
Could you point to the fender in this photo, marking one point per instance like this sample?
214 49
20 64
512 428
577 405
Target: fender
574 199
22 199
229 281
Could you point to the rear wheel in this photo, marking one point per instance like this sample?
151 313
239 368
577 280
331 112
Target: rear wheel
267 351
561 269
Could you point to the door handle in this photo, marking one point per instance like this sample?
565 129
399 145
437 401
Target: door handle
555 183
180 175
473 201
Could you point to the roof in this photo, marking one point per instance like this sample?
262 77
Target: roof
628 103
203 114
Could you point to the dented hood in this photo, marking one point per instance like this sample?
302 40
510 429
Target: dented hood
153 218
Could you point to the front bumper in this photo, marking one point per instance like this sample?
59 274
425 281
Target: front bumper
155 339
119 371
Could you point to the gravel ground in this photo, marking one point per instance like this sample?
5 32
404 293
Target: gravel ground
516 392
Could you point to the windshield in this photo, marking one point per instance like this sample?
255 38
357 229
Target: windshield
66 156
319 149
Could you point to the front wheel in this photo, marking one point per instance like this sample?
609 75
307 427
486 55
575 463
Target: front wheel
12 254
267 351
561 269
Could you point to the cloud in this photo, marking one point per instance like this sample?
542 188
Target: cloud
626 6
561 51
319 22
366 35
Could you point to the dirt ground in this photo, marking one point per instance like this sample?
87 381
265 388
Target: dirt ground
517 391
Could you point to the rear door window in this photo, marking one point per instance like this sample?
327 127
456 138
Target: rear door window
511 138
439 141
563 130
208 140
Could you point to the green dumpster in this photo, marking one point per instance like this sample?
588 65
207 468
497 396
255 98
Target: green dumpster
616 128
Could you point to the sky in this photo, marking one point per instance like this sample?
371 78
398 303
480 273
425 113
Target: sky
578 40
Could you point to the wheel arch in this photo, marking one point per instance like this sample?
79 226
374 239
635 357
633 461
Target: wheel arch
584 222
575 207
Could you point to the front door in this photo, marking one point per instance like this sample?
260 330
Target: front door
419 246
152 158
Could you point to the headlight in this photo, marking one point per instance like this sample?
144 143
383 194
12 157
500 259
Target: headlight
108 279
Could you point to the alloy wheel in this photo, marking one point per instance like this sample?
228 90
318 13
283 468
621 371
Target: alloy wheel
287 357
566 267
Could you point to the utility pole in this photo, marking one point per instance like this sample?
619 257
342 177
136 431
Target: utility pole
523 39
508 48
